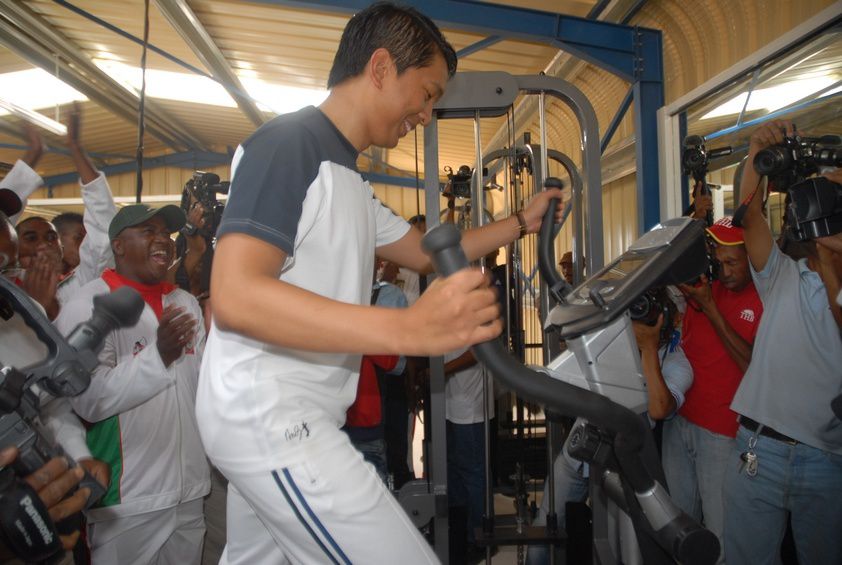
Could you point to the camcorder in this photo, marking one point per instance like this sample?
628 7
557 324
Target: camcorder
650 305
458 183
796 159
815 209
203 188
696 158
813 204
25 524
695 161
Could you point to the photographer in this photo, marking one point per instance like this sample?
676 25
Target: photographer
194 245
720 325
193 252
19 347
788 456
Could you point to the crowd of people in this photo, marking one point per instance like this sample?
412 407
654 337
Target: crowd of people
260 381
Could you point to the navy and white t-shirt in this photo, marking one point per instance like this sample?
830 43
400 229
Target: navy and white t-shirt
294 185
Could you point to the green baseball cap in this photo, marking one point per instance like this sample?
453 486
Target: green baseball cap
135 214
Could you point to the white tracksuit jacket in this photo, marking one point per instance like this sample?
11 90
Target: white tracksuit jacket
144 413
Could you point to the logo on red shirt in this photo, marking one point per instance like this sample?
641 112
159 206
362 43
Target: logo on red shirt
747 315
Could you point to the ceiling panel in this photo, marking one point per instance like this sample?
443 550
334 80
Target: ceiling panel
296 47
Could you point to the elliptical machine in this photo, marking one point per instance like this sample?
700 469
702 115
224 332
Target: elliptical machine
599 381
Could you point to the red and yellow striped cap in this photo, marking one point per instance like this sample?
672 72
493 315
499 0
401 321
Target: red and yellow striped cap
725 233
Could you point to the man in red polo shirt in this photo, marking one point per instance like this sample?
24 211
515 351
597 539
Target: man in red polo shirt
720 324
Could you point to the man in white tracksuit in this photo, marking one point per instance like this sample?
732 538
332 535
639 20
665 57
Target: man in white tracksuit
141 402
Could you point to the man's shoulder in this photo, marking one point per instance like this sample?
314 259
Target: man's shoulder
80 304
293 127
302 139
87 291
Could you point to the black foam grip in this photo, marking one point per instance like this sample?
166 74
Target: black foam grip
124 305
546 250
689 543
122 308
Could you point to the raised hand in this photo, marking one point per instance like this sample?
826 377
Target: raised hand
770 133
34 146
74 125
534 211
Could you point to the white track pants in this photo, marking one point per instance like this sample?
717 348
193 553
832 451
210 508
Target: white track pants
164 537
332 508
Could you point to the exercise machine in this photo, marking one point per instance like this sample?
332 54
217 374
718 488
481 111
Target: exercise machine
598 380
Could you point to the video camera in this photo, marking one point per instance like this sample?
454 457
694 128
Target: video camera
25 524
814 205
651 305
203 188
695 159
815 209
796 159
458 183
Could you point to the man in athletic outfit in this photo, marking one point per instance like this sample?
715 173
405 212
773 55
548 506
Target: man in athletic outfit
141 402
291 284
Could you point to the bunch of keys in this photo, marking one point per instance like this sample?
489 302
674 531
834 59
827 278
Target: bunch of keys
749 458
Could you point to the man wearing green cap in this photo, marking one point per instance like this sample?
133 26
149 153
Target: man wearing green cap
141 402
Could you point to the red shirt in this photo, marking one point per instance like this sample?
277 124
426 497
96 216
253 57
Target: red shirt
365 411
715 375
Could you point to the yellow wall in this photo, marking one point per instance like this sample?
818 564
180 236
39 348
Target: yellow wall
166 180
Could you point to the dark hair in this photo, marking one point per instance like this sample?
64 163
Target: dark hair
31 219
64 220
411 38
418 219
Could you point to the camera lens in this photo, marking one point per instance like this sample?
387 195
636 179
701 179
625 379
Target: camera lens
641 308
693 158
772 160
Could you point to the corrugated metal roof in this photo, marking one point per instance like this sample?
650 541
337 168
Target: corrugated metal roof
296 47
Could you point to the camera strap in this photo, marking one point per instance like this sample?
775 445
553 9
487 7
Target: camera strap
25 524
740 212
